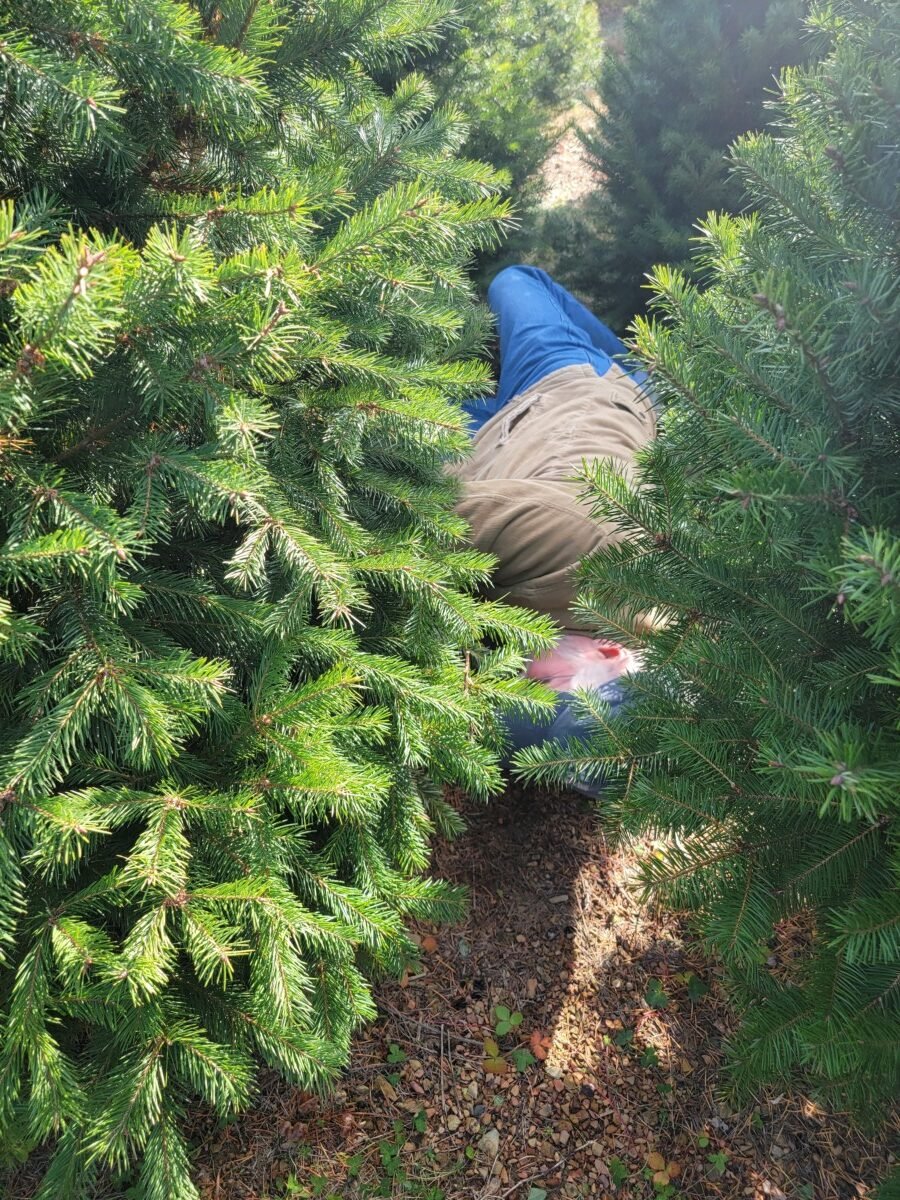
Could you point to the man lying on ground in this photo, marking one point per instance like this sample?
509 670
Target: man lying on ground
564 396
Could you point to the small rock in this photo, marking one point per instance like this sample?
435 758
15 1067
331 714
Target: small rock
453 1123
598 1150
553 1072
489 1144
562 1137
477 1110
531 988
588 1089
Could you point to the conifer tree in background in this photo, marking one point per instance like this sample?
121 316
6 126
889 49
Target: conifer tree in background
763 740
691 77
514 67
239 649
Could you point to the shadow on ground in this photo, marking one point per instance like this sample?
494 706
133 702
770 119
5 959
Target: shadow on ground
608 1084
629 1026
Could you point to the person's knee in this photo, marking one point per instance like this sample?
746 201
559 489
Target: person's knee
510 279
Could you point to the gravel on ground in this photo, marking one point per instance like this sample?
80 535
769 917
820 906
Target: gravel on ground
566 1041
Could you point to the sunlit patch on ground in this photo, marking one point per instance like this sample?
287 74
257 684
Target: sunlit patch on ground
607 1073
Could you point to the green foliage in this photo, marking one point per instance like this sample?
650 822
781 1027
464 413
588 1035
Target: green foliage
239 646
522 1058
504 1020
691 77
697 988
718 1161
762 739
513 67
618 1172
656 995
497 1060
398 1175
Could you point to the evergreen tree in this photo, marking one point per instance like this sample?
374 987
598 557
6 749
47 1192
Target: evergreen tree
239 645
691 77
763 741
514 67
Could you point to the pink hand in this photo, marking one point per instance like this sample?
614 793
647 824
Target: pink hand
579 661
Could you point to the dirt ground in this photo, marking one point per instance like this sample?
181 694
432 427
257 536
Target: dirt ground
605 1080
566 175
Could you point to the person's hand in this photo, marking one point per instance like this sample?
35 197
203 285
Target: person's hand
579 661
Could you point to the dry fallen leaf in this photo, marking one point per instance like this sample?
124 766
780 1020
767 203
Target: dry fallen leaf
539 1044
686 1068
429 943
496 1066
673 1170
660 1179
385 1087
656 1162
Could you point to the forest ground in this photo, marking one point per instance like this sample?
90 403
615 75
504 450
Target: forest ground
610 1075
566 176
